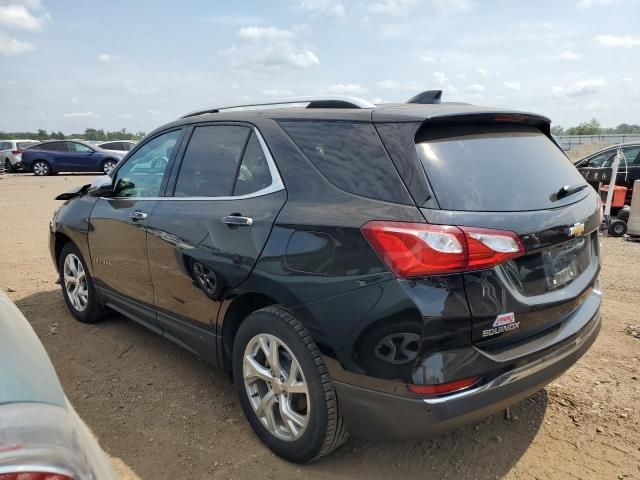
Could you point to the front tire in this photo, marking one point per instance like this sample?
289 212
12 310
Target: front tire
108 165
8 168
77 286
41 168
284 387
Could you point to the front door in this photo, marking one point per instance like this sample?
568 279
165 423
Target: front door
206 237
118 231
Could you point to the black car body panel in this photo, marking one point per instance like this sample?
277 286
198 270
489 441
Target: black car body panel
181 266
596 168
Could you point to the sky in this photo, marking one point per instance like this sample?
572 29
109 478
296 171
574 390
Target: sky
75 64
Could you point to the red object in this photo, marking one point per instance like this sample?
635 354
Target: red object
16 152
33 476
416 249
619 195
443 388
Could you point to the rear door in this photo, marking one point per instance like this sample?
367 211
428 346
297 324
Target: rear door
508 178
119 224
77 158
206 235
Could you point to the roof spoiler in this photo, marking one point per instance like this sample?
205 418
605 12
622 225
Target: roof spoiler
428 97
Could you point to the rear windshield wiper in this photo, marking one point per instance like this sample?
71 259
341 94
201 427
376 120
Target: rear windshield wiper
568 190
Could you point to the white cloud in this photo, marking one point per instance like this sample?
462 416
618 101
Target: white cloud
19 16
475 88
440 77
583 87
483 72
426 59
388 84
274 92
346 88
13 46
124 115
628 79
583 4
613 41
406 7
514 86
234 20
81 115
461 76
264 34
270 48
324 8
106 57
567 55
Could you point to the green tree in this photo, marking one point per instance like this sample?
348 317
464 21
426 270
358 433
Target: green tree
42 134
592 127
557 130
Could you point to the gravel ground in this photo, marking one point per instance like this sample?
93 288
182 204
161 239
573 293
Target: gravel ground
160 412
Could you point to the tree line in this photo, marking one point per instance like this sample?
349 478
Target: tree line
89 134
593 127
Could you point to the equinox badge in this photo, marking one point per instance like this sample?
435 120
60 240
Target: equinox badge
503 323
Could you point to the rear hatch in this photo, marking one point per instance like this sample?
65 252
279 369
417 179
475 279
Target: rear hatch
511 177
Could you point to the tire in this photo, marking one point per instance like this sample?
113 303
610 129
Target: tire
86 306
8 168
325 429
617 228
41 168
108 165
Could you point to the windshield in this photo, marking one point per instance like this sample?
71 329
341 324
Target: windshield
504 169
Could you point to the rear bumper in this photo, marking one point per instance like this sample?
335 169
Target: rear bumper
378 415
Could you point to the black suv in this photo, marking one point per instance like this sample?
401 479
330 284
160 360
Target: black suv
393 271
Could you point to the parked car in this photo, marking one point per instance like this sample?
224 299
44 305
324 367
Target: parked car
42 437
68 156
391 271
596 168
11 153
118 146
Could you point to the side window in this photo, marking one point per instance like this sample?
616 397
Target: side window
77 147
56 146
210 164
141 175
109 146
349 155
253 174
631 154
5 146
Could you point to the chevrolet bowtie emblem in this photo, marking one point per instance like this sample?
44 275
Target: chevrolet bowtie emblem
576 230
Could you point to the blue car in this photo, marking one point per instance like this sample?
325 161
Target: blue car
67 156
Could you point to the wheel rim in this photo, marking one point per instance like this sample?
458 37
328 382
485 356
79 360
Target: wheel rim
40 168
276 387
75 282
108 166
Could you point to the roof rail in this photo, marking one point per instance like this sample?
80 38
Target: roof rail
427 97
318 101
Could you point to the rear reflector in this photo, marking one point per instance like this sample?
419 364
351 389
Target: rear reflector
33 476
415 249
443 388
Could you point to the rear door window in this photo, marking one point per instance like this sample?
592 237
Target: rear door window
496 168
351 156
211 161
253 174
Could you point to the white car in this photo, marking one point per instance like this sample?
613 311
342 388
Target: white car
117 146
11 153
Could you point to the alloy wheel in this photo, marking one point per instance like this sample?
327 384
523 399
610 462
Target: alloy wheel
276 387
108 166
75 282
40 168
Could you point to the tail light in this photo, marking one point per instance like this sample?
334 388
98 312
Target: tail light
416 249
444 388
33 476
14 152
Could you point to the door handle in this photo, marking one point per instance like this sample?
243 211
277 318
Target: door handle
237 221
138 215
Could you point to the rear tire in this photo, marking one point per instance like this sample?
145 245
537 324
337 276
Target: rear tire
77 286
8 168
41 168
617 228
299 416
108 165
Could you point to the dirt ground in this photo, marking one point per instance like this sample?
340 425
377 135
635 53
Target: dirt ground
160 412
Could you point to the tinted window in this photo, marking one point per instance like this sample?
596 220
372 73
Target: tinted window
5 146
599 159
23 145
507 169
77 147
55 146
141 175
111 146
126 146
351 156
211 161
254 172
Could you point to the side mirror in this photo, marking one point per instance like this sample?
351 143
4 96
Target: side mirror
101 187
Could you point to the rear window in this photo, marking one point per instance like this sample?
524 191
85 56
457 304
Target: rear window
495 168
351 156
23 145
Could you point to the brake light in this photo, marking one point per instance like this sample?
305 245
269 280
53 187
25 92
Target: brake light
33 476
16 152
443 388
415 249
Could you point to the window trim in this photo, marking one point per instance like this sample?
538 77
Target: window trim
276 181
